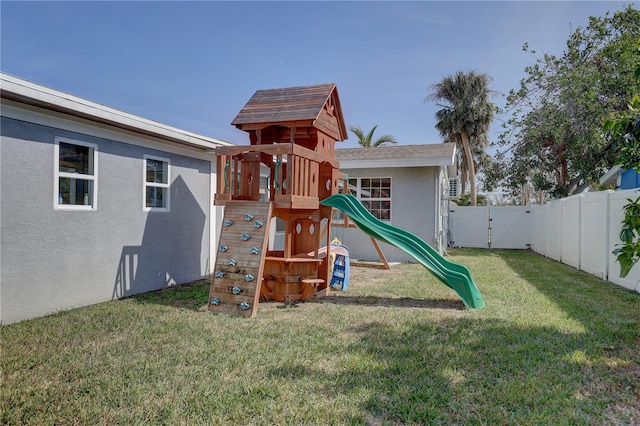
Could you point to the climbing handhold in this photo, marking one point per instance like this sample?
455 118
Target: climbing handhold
223 248
236 290
246 237
255 250
232 262
248 217
215 301
226 181
258 224
244 306
228 222
248 278
219 274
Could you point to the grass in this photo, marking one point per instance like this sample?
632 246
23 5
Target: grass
552 346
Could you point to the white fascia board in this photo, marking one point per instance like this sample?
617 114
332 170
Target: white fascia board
394 163
43 95
36 115
611 175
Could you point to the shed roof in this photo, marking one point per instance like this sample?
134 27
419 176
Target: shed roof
290 104
442 154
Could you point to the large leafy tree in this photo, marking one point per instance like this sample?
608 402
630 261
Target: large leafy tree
464 118
367 141
623 129
553 138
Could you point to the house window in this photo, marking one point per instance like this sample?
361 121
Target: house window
156 183
75 175
374 194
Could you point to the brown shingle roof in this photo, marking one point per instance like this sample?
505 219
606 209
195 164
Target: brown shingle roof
285 104
396 152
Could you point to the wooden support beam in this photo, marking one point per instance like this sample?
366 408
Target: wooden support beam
380 253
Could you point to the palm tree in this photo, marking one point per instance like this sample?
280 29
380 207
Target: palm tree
466 114
480 160
365 140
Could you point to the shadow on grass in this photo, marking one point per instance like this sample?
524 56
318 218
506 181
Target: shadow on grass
195 295
470 371
393 302
582 296
492 370
190 296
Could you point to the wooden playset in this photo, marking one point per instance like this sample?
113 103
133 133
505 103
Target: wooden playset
293 133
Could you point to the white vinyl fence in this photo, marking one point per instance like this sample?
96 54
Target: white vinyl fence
581 231
505 227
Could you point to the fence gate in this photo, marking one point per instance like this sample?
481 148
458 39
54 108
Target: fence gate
502 227
469 226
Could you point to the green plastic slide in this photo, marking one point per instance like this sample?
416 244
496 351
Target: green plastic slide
452 274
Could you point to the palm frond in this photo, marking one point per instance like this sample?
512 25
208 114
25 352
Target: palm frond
365 140
386 138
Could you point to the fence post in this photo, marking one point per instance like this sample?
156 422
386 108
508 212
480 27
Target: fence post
580 198
607 232
561 201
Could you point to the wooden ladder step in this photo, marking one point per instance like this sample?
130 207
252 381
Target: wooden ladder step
310 284
312 281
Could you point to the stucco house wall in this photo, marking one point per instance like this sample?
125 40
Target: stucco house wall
55 259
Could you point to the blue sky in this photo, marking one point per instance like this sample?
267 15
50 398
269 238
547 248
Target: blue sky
194 65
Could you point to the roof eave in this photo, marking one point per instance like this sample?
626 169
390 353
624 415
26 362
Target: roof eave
610 178
395 162
338 113
23 91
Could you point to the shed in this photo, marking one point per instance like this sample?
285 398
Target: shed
621 178
407 185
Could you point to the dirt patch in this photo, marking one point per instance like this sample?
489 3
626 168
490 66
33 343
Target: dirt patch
393 302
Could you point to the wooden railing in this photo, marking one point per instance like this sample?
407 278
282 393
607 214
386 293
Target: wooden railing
298 177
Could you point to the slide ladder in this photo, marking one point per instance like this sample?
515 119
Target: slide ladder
235 286
452 274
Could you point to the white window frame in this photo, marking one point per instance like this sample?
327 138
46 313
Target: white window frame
57 174
146 184
361 198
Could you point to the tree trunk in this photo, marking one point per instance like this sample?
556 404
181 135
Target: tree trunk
470 168
463 179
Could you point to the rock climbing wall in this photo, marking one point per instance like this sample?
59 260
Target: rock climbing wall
235 286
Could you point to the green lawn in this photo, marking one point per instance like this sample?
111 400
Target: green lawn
553 346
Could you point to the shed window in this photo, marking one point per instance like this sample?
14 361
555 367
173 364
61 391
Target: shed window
75 175
374 194
156 183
